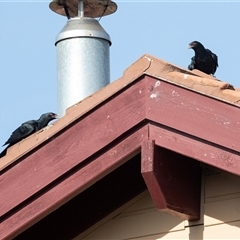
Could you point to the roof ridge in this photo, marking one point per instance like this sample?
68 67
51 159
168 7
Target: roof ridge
146 64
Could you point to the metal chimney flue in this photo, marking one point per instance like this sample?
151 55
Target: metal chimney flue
83 62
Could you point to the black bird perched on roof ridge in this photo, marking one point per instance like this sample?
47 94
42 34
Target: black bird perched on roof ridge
28 128
204 60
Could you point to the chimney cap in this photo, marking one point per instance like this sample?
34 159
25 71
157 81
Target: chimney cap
92 8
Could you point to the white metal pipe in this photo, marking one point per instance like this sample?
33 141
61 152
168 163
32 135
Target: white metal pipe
80 9
83 62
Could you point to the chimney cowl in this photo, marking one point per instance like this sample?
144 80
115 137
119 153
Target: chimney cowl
92 8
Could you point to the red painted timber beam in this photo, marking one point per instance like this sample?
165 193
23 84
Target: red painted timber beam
193 113
194 148
174 181
33 211
73 146
186 122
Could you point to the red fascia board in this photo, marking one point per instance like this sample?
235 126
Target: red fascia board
72 147
194 148
75 183
193 113
194 125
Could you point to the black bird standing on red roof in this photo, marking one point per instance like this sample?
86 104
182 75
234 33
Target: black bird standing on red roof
27 129
204 60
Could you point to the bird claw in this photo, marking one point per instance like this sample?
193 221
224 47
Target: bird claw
45 128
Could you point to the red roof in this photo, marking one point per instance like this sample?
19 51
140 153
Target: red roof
158 122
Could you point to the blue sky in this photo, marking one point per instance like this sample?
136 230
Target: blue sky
161 28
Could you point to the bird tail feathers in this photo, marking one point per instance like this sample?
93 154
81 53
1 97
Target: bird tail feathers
4 152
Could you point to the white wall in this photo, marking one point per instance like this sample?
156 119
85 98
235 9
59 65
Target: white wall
139 219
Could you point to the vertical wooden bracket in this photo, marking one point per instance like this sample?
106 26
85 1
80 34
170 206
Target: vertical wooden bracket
173 180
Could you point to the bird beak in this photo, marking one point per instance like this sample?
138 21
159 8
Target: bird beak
189 46
56 116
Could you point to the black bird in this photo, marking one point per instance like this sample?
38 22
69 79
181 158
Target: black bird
204 60
28 128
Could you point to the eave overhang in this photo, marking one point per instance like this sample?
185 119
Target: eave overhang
169 124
